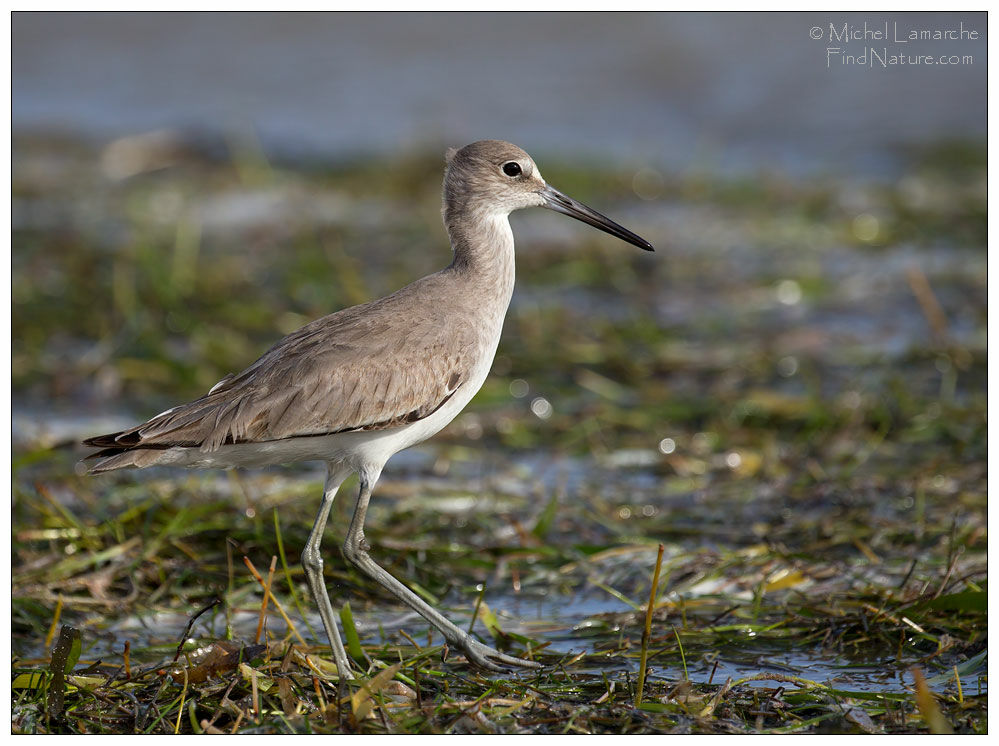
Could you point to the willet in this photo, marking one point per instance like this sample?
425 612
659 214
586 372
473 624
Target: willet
356 387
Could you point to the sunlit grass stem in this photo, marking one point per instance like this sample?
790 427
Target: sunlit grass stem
647 632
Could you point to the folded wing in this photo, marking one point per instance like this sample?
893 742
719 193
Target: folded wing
359 369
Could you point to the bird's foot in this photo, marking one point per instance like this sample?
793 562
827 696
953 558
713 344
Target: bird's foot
490 658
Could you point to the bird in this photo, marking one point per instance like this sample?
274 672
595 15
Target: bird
354 388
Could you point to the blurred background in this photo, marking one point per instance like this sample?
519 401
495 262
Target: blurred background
801 364
736 91
114 113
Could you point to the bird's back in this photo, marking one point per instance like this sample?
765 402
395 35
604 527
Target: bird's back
376 366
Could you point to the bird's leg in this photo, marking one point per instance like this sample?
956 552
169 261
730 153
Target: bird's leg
312 563
356 551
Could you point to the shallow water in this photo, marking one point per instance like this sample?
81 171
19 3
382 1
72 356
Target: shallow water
561 608
735 91
766 397
564 623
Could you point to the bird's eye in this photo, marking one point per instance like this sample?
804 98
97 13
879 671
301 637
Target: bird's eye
512 168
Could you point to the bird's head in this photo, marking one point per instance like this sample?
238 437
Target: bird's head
496 177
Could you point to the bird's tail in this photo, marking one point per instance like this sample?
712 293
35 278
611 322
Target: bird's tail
111 458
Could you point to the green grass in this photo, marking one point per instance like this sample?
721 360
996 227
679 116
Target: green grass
769 396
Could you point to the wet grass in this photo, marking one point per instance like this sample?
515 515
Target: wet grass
789 398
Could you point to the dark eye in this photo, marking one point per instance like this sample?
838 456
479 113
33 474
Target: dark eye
512 168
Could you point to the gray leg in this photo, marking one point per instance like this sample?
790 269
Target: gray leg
356 550
312 562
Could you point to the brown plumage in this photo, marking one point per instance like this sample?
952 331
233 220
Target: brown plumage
336 374
356 387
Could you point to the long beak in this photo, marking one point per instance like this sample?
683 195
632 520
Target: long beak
555 200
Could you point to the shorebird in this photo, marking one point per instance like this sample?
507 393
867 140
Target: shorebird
356 387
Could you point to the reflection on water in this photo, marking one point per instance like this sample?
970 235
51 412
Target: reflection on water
568 624
581 606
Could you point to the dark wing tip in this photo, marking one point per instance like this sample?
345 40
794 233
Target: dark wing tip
120 439
104 441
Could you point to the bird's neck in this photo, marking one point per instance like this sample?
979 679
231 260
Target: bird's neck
483 252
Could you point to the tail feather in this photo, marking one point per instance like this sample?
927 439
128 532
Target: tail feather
104 441
111 459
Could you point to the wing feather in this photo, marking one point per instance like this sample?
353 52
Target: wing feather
326 378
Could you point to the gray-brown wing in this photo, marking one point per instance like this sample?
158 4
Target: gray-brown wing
361 368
